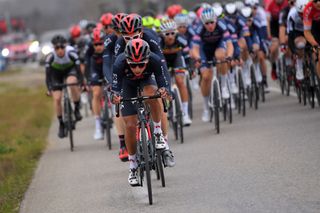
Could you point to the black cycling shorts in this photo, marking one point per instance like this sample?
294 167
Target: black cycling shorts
96 77
315 30
58 76
175 61
292 36
130 90
274 28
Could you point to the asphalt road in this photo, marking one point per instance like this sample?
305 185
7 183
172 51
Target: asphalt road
268 161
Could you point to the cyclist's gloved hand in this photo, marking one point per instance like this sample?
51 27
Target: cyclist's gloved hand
115 98
163 92
197 63
283 48
229 58
315 48
49 93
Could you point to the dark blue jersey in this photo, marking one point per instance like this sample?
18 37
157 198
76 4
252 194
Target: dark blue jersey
205 37
108 56
121 71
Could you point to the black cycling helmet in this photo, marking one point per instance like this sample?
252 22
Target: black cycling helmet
137 50
58 39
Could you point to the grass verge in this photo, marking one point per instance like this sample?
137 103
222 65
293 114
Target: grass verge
25 118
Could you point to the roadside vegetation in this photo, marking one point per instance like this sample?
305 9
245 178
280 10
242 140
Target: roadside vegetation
25 118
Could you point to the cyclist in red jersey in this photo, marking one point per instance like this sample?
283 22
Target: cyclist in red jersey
274 8
311 23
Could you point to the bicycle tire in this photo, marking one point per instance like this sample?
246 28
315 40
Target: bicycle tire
190 106
145 151
69 123
263 97
288 80
107 125
216 107
179 114
242 93
160 168
254 87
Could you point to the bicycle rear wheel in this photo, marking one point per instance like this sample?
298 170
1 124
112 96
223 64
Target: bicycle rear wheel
145 152
107 125
254 89
160 168
190 106
179 115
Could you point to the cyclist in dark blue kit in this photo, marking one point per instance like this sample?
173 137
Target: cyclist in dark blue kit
131 28
137 68
96 77
212 40
108 60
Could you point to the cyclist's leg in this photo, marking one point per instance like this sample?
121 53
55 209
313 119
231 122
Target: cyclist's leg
247 61
95 79
220 55
75 92
297 44
130 120
274 54
96 108
57 78
180 70
206 78
149 89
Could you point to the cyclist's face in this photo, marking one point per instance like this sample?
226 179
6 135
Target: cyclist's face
138 68
210 26
169 37
108 29
316 4
182 29
98 47
60 50
128 37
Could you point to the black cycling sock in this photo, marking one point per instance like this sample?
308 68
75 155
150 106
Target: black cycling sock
122 141
77 105
264 79
60 119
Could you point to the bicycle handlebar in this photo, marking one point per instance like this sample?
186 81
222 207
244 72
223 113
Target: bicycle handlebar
67 84
140 99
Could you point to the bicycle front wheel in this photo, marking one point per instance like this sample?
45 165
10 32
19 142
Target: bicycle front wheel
216 102
145 152
69 123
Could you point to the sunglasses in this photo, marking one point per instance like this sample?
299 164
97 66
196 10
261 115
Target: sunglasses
129 37
315 1
169 33
182 27
61 46
98 44
210 22
139 64
107 27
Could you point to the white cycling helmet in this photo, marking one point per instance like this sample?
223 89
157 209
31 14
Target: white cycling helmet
181 19
207 15
239 5
218 10
205 5
246 12
168 25
251 3
300 5
230 8
191 17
